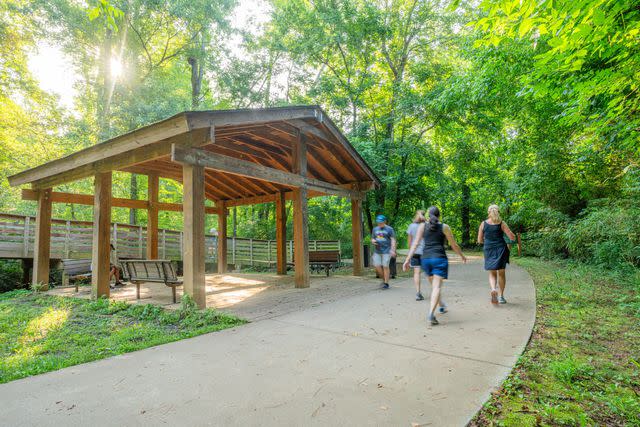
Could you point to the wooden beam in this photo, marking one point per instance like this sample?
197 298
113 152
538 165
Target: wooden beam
234 166
87 199
222 238
153 188
193 240
300 217
100 249
281 233
356 236
223 118
113 148
42 244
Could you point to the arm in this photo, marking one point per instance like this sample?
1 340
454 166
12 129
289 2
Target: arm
507 231
481 233
393 247
409 240
452 241
414 246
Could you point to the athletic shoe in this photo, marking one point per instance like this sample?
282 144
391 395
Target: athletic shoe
385 286
431 318
442 309
419 297
494 297
501 300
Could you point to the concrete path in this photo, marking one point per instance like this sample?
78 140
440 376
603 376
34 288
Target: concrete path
366 359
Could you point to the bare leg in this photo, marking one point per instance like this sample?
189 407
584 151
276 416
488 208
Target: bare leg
436 282
493 278
440 301
386 275
416 278
502 280
379 272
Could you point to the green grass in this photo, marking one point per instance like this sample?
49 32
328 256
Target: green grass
41 333
582 365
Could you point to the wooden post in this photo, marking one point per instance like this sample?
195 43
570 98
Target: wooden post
281 234
140 241
222 237
251 252
300 216
164 244
193 239
42 244
67 240
356 236
152 217
101 235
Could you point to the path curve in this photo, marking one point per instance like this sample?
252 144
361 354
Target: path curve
366 359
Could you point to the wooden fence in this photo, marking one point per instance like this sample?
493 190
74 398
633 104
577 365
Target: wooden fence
73 239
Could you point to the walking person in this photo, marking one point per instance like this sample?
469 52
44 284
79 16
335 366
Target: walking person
414 262
496 253
434 260
383 238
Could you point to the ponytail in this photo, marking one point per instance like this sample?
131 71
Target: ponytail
434 218
494 214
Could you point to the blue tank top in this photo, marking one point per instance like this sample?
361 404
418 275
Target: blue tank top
493 236
434 242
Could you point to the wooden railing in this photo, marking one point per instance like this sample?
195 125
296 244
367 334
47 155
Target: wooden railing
73 239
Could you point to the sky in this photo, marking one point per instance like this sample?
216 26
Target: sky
54 70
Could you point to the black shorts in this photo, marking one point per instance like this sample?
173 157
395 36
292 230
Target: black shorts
415 261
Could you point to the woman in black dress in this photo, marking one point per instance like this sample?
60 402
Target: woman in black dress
496 253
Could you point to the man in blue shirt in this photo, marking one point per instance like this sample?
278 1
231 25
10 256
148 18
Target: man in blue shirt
383 239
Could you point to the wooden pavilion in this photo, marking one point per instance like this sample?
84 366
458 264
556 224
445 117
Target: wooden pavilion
230 157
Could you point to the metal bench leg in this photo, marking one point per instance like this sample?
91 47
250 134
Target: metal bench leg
138 290
173 288
327 268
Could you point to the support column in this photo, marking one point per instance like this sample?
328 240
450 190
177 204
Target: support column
101 235
300 216
152 222
356 236
281 233
193 239
222 237
42 244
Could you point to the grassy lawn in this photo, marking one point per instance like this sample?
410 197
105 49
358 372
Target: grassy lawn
582 366
41 333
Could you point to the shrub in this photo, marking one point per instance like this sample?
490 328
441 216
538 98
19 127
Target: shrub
10 275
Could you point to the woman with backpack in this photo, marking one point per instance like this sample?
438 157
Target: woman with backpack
434 260
496 253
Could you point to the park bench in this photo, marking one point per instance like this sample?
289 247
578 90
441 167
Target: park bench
151 270
326 261
75 269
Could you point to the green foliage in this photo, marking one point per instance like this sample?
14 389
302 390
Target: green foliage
10 275
578 367
41 333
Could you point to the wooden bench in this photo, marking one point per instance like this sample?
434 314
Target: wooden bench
151 270
75 269
321 260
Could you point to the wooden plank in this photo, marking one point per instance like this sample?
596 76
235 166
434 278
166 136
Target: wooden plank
153 188
193 237
42 244
222 238
356 236
281 233
101 236
223 118
122 144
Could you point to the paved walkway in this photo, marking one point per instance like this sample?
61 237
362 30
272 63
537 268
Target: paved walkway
366 359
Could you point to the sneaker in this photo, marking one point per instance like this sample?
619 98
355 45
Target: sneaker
385 286
442 309
419 297
494 297
432 319
119 285
501 300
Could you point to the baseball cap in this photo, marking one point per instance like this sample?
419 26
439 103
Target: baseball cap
381 218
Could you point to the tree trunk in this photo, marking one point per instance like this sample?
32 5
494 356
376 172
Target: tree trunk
133 213
197 73
465 214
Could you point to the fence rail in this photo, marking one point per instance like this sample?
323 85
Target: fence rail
73 239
